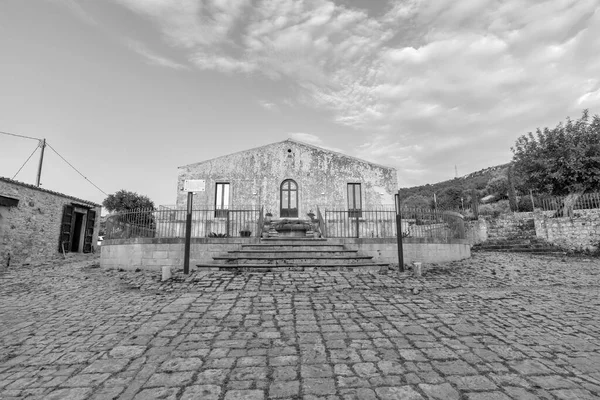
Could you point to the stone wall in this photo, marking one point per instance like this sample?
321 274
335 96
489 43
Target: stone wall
476 231
582 232
322 176
153 254
31 230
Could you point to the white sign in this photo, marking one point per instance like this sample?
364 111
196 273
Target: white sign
194 185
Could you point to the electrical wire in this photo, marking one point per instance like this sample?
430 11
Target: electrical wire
21 136
28 158
47 144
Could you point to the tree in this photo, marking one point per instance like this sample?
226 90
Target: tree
498 186
512 195
124 200
450 198
417 201
563 160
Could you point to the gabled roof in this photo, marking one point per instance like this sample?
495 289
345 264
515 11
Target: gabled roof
27 185
298 143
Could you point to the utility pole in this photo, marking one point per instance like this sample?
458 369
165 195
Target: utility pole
39 174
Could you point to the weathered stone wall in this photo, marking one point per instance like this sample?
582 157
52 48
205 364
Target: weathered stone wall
322 176
31 230
582 232
153 254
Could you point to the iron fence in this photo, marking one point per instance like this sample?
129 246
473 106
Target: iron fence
381 223
167 222
554 203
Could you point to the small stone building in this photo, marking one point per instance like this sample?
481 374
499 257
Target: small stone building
289 179
36 223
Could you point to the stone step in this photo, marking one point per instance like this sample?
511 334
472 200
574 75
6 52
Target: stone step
292 253
295 260
539 250
288 239
357 267
291 246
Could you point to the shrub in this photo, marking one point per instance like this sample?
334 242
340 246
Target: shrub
495 209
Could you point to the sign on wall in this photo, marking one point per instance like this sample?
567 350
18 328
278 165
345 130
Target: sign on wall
194 185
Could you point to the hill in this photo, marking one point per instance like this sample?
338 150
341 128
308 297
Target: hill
475 180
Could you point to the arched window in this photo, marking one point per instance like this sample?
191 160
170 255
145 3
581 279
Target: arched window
289 199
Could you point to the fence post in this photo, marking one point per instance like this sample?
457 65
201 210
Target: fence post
188 234
399 233
357 227
532 202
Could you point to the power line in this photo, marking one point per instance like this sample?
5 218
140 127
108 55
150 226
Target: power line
28 158
48 144
21 136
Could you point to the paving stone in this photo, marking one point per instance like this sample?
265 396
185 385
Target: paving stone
170 379
108 365
181 364
442 391
520 393
244 395
69 394
469 383
284 389
487 396
398 393
127 351
316 371
204 392
318 386
573 394
160 393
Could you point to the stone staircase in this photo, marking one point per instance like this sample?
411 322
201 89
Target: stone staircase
518 236
293 253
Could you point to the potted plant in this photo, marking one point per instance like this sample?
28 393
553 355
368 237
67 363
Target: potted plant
268 217
246 232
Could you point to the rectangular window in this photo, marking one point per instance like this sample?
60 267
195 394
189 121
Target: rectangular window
221 199
354 200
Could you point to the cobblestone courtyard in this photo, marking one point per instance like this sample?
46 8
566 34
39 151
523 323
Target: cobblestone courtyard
497 326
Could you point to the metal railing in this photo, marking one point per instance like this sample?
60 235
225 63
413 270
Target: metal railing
381 223
553 203
166 222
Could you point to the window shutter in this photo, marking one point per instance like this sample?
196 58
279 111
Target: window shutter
89 231
65 228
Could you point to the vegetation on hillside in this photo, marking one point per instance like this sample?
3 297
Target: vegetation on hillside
563 161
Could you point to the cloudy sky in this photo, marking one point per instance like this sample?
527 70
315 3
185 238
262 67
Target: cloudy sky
128 90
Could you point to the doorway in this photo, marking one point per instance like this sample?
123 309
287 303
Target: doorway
77 225
288 199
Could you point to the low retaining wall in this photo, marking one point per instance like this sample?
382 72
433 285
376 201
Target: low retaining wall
582 232
154 253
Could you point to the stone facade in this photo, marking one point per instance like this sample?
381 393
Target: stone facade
30 230
322 177
582 232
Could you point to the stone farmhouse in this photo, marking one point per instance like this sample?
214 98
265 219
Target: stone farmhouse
36 223
283 205
289 179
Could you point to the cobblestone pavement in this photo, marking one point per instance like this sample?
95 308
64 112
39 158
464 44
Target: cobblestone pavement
497 326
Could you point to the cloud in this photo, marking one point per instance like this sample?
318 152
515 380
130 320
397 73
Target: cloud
440 75
78 10
267 105
307 138
153 58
